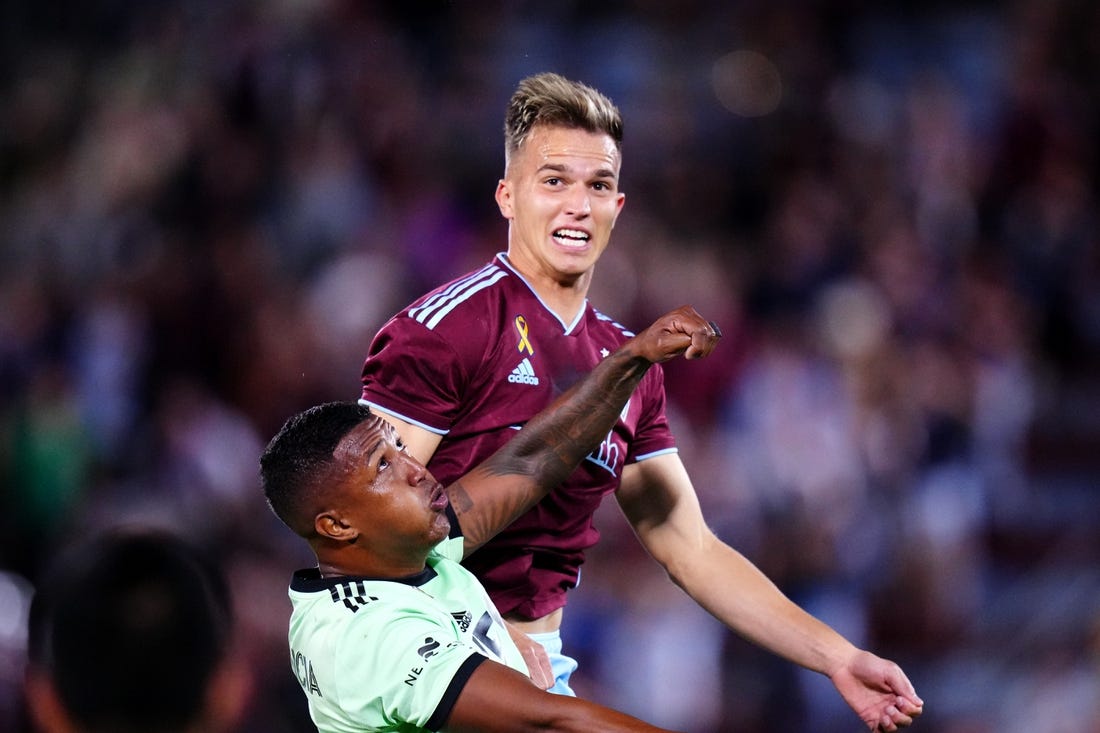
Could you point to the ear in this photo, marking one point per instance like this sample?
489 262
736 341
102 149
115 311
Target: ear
504 199
619 208
45 705
331 525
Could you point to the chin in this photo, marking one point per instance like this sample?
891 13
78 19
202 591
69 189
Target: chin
572 266
441 528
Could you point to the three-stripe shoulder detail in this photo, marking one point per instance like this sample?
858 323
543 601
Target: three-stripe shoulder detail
607 319
436 307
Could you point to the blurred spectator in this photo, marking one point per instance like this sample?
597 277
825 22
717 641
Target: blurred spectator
132 631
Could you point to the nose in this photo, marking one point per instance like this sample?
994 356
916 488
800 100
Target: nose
579 203
414 470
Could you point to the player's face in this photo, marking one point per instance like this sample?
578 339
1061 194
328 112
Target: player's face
561 195
390 498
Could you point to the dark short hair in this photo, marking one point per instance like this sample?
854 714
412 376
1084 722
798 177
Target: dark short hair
297 460
551 99
130 626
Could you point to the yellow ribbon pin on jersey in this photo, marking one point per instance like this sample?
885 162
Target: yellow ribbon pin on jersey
524 344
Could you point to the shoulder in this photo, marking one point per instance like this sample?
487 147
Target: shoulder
363 609
452 305
604 328
454 315
602 322
344 594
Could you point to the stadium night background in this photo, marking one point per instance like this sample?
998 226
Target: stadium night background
208 208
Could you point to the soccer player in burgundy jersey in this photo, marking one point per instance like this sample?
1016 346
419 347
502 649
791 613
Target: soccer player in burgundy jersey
470 362
514 356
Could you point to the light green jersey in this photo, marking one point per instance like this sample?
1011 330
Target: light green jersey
393 655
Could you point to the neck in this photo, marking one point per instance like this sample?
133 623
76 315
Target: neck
563 295
339 562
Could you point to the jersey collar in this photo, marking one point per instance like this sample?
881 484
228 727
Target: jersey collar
309 580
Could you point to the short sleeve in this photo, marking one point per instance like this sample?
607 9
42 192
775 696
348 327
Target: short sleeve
413 373
409 669
653 435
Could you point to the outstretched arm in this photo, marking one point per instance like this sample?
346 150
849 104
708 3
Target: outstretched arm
553 443
657 497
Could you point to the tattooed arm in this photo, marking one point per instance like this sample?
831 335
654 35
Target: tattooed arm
553 443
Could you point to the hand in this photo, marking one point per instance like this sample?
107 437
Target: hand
878 691
682 331
538 661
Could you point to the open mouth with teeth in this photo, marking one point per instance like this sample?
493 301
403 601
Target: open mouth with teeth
571 237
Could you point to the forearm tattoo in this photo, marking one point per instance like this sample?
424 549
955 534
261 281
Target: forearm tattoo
549 447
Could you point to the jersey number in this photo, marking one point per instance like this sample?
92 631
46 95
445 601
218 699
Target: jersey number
481 636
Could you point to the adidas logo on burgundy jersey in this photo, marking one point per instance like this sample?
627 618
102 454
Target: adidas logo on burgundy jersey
524 373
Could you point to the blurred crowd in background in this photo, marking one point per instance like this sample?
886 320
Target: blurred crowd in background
207 208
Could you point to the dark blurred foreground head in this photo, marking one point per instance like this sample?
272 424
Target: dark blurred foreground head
130 631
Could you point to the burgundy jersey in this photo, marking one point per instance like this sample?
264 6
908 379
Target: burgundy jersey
473 361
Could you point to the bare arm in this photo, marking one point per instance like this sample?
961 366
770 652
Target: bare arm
497 699
657 497
421 443
554 442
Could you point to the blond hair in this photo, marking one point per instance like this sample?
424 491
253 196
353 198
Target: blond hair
551 99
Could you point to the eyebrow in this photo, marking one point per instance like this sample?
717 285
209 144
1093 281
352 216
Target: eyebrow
375 448
562 168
